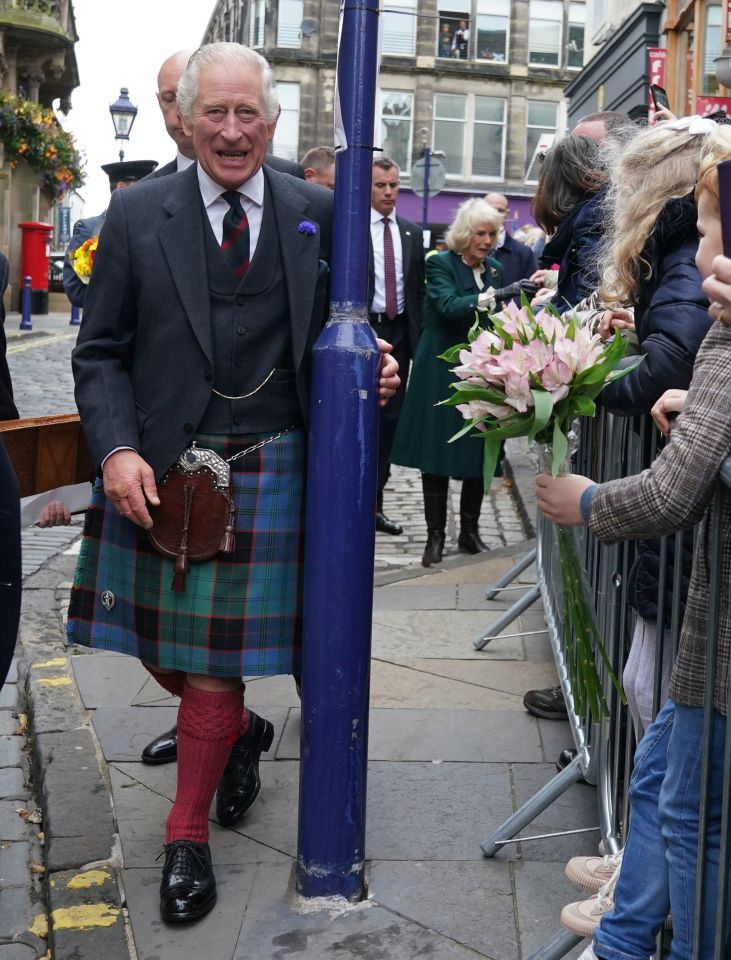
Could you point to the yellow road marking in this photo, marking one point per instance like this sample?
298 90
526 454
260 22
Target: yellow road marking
28 343
39 926
55 682
85 916
91 878
56 662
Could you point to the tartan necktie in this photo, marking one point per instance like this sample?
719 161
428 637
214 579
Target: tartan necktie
235 241
389 271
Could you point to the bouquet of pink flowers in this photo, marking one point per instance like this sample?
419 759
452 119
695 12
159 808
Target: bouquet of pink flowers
533 375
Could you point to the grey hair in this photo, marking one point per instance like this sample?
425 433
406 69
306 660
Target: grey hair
470 215
232 54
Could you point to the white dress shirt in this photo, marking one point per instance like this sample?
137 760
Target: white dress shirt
252 199
378 304
182 162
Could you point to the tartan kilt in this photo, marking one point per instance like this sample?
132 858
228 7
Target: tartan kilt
241 613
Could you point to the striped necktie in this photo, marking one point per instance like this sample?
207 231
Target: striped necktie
235 242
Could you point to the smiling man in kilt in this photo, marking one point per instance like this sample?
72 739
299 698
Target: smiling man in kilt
209 289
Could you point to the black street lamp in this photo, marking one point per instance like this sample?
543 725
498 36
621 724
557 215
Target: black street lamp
123 113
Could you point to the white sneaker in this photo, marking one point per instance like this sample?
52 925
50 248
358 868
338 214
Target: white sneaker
588 954
591 873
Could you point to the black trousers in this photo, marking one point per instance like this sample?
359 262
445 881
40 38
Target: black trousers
396 332
10 563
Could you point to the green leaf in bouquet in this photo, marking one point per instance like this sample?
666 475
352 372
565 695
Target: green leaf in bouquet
475 330
464 391
490 456
469 425
452 355
583 406
543 408
559 448
618 373
503 334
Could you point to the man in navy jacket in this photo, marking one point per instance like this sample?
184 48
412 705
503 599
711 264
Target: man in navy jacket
517 259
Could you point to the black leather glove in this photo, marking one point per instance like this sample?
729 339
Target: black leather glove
515 289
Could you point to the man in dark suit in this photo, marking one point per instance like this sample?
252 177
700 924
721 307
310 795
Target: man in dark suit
164 748
396 285
121 175
518 260
202 331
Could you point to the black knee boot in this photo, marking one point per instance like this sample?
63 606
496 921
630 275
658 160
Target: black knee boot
435 510
470 504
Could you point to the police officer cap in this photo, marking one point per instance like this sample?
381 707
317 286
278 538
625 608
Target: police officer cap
128 171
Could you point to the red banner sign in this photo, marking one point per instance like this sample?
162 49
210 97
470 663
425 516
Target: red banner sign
706 105
658 58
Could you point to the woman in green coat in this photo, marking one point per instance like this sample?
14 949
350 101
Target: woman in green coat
461 283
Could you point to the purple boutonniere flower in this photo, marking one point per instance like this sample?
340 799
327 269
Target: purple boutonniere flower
307 226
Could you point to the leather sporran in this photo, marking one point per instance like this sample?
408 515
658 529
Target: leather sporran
195 519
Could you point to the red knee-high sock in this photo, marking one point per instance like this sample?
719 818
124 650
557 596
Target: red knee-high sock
208 725
172 682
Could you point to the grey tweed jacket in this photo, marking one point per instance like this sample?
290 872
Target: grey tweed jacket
676 492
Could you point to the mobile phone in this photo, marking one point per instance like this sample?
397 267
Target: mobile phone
659 97
724 203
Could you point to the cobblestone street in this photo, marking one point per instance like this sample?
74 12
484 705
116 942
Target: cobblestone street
40 367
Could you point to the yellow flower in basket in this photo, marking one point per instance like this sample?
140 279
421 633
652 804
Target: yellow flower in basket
82 258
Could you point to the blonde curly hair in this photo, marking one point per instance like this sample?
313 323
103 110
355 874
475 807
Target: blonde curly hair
658 165
471 214
716 148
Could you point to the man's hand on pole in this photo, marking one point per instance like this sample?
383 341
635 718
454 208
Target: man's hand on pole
389 380
130 485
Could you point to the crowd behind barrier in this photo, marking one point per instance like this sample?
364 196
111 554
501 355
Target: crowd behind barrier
612 447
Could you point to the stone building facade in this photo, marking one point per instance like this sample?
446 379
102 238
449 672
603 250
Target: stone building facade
480 80
37 61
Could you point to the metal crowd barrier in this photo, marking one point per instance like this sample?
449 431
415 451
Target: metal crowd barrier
613 447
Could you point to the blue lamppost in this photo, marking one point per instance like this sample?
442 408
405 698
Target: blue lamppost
341 497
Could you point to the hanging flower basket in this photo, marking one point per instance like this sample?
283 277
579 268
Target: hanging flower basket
32 133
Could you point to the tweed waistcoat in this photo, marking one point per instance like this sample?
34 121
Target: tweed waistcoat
252 346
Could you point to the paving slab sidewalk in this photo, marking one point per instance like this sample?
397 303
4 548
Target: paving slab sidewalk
452 754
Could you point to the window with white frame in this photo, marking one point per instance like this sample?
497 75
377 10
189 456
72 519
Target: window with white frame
449 131
541 125
399 28
285 142
453 30
473 29
488 146
577 29
396 120
470 131
289 18
257 19
544 33
493 30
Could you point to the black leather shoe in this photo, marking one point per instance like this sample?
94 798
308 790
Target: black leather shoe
188 887
163 749
567 756
434 548
469 541
384 525
547 704
240 783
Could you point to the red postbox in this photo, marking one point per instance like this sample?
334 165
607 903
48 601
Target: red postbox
35 256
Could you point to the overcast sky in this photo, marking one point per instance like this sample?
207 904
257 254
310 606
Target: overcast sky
123 46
